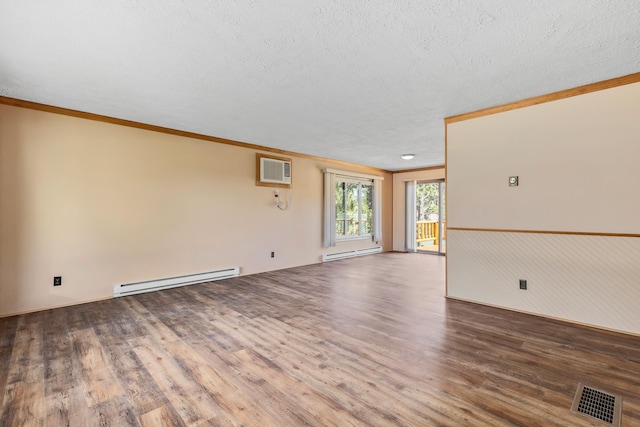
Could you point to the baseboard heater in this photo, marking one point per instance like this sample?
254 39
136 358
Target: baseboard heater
173 282
351 254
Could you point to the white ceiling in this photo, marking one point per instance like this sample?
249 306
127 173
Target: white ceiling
358 81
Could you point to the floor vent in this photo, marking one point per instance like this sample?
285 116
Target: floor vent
598 404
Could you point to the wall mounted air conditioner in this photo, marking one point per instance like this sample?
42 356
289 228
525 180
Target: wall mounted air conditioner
275 171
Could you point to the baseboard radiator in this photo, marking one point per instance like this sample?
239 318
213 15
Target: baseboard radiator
351 254
173 282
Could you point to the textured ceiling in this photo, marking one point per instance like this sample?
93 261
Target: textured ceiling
358 81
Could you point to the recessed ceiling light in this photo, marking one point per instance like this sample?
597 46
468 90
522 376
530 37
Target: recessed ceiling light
408 156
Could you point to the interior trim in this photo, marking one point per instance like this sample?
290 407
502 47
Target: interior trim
567 93
429 168
424 181
577 233
129 123
446 180
349 174
544 316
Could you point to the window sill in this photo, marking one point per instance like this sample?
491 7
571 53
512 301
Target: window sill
351 238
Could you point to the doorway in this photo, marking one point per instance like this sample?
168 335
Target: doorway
427 221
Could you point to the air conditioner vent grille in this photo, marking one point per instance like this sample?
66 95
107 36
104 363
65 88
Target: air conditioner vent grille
275 171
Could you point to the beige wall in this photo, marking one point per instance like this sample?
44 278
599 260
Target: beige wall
577 160
102 204
399 180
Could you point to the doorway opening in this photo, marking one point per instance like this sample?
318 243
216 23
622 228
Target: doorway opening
426 217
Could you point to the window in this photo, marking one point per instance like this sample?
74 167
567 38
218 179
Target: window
354 208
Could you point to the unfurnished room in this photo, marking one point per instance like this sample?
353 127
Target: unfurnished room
410 213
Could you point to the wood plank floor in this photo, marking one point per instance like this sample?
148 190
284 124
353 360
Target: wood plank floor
369 341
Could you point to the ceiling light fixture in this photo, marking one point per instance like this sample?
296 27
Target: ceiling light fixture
408 156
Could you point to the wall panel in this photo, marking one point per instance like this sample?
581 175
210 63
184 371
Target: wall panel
577 161
587 279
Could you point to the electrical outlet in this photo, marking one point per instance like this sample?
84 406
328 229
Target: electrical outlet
273 254
57 280
523 284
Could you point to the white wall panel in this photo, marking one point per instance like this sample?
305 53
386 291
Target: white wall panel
587 279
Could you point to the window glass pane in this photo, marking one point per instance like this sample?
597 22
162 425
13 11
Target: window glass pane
354 208
351 208
340 211
366 216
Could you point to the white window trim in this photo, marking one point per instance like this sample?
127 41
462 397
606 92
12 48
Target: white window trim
410 216
329 220
359 236
346 174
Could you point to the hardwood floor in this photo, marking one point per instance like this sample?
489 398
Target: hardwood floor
368 341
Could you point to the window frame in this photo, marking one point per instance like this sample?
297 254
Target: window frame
329 229
360 182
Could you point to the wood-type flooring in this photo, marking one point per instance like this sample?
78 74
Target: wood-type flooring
368 341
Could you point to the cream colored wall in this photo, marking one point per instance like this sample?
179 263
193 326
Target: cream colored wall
399 180
577 160
102 204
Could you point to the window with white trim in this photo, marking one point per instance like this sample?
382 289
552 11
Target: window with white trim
354 208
